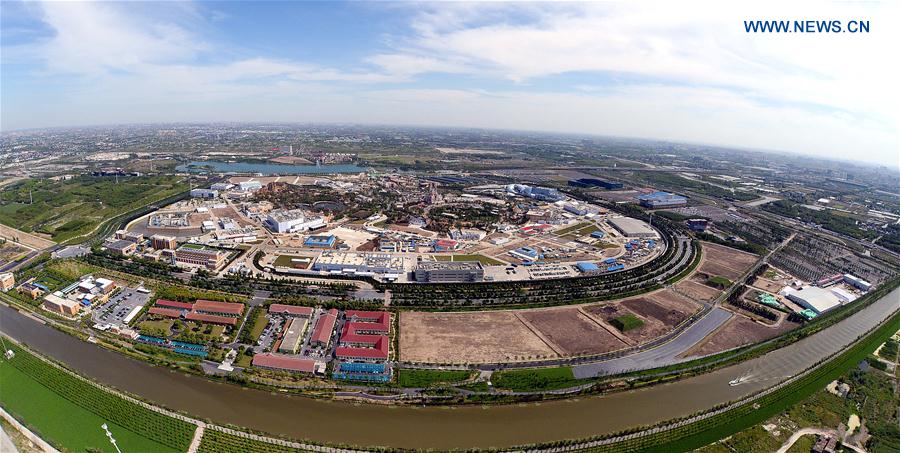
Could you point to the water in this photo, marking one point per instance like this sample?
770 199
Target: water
268 169
437 427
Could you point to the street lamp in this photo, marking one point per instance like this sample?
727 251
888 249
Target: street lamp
111 439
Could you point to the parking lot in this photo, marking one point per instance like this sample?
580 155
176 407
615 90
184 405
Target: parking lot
117 308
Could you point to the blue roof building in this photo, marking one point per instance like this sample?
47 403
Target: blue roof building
320 241
598 234
661 199
586 267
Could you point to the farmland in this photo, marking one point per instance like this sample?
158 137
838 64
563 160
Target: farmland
535 379
62 210
572 331
726 262
68 411
425 378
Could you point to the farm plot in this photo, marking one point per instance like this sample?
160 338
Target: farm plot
725 261
738 331
697 290
571 331
666 307
476 337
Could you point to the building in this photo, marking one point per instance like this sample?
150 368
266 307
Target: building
372 348
630 227
525 253
448 271
538 193
204 193
290 310
221 186
362 371
359 263
593 182
31 289
444 245
857 282
322 242
588 268
697 224
122 247
321 335
372 322
813 298
598 234
212 307
661 200
7 281
293 336
199 255
249 186
160 242
211 319
292 364
293 221
61 305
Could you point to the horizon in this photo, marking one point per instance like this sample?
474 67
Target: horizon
589 69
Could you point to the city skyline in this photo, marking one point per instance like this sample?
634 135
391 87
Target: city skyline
597 69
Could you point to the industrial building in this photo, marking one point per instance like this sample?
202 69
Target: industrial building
525 253
359 263
630 227
204 193
448 271
588 268
857 282
293 221
697 224
199 255
249 186
813 298
661 200
538 193
323 242
160 242
293 336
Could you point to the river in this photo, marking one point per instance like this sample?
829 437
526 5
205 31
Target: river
436 427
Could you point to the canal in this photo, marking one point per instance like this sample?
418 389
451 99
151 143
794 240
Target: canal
437 427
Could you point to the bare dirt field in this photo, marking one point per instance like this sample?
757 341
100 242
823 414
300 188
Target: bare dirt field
667 307
736 332
725 261
27 239
697 290
474 337
9 251
651 329
768 285
572 331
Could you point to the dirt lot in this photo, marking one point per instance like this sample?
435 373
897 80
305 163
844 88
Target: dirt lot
736 332
667 307
475 337
651 329
697 290
725 261
768 285
573 332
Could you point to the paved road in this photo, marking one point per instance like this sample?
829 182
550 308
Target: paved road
663 355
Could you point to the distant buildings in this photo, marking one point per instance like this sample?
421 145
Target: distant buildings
449 271
359 263
593 182
661 200
204 193
538 193
249 186
697 224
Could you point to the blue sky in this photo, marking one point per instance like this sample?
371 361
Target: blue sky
685 71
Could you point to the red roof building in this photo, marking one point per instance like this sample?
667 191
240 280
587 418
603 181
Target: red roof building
378 351
212 307
381 317
174 304
167 312
290 310
324 326
212 319
278 362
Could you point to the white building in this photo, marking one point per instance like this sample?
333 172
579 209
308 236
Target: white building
814 298
204 193
293 221
249 186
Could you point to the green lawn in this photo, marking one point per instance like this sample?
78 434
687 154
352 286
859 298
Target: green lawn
62 422
718 282
65 209
256 323
626 322
425 378
803 445
534 380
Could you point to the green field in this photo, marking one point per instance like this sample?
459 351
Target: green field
286 261
68 412
626 322
535 380
425 378
66 209
578 230
219 442
256 323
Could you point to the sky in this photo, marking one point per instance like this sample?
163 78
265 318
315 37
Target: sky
681 71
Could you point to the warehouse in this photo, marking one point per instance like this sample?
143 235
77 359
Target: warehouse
449 271
359 263
293 336
632 227
661 200
816 299
320 241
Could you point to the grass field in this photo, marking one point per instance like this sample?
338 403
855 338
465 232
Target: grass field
626 322
534 380
65 209
68 412
256 324
285 261
425 378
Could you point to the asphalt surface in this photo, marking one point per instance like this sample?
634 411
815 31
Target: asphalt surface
662 355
